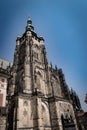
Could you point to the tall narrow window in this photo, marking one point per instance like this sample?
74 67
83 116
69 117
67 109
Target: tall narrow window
1 99
3 80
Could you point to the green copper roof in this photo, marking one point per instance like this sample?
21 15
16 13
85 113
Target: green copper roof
29 25
18 37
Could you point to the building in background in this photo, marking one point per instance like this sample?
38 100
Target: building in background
82 118
80 115
4 74
38 96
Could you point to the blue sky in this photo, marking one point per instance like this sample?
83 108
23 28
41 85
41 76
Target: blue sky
62 23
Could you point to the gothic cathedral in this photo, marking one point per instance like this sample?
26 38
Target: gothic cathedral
37 94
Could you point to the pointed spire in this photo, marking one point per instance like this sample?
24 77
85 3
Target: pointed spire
56 67
51 65
29 21
29 25
2 64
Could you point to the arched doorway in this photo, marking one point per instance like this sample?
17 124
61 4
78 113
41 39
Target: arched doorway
67 121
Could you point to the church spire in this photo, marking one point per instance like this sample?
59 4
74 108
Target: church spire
29 26
29 21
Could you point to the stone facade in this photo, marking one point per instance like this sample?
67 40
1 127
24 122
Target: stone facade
38 96
4 74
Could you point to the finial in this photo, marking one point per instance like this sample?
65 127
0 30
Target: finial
29 25
2 64
51 64
29 18
29 22
18 37
55 67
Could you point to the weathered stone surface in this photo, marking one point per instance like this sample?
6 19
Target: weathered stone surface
39 98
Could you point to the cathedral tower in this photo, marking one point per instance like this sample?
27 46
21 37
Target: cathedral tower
38 97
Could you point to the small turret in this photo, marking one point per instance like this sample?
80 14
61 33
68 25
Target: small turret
18 40
41 38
